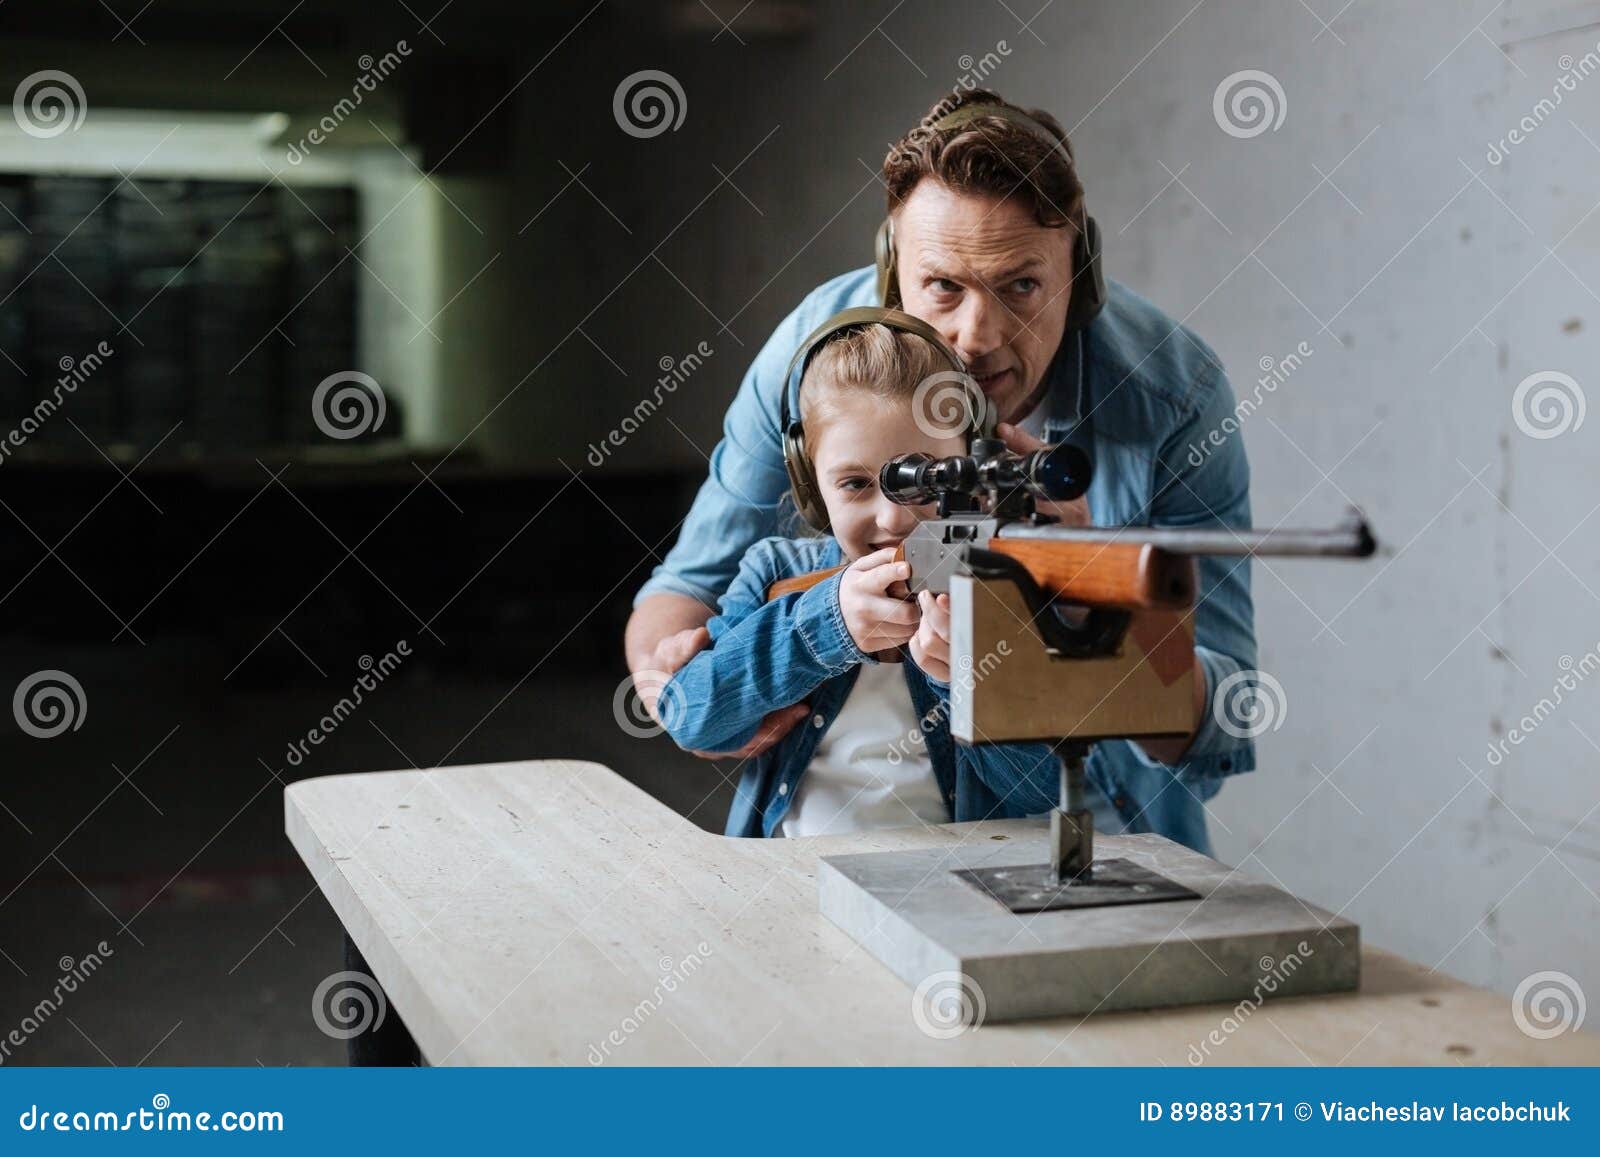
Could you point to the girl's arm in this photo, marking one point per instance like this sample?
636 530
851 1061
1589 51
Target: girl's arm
765 655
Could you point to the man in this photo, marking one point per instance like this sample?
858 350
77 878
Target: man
991 245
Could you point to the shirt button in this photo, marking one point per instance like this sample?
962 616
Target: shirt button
1227 765
819 721
1121 801
783 789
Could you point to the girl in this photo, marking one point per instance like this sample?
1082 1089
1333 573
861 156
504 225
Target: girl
874 666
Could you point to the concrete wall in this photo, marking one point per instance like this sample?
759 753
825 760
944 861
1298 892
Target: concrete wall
1427 283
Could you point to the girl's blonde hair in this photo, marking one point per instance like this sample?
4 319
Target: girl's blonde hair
875 359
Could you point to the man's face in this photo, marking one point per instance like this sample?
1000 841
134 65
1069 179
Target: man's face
992 280
860 433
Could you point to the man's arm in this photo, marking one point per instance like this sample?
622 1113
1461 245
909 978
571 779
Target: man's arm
739 503
1199 483
737 506
657 617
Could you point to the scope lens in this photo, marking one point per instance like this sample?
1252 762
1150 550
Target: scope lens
1061 473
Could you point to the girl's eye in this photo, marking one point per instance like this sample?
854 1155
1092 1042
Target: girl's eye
854 484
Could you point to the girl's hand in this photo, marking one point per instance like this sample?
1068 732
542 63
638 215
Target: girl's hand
930 648
876 619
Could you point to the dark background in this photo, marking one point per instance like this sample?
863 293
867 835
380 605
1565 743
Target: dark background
210 568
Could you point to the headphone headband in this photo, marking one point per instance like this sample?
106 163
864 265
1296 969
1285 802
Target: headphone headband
854 318
967 113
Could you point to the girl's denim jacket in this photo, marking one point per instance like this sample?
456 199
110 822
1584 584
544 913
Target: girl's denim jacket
767 655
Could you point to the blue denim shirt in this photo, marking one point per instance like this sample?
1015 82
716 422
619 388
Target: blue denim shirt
1143 393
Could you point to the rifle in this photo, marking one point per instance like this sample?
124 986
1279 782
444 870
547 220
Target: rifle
1123 568
1093 626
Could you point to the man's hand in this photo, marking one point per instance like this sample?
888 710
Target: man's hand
673 652
930 647
875 618
1074 513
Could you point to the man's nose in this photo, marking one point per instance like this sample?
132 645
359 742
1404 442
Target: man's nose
980 326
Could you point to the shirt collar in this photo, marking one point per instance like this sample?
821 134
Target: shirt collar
1064 401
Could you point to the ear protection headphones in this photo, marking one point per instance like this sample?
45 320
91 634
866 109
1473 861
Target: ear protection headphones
1089 283
802 475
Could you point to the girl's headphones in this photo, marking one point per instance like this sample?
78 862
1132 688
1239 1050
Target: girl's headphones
1089 293
802 475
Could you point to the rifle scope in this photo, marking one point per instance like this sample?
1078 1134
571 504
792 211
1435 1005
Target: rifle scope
1054 473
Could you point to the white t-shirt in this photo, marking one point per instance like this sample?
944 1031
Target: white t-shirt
1034 422
851 783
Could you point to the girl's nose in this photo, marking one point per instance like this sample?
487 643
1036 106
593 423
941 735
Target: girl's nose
895 520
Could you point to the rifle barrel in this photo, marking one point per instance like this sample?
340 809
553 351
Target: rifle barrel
1351 539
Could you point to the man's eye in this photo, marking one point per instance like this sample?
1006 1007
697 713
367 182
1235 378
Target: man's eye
945 285
1023 286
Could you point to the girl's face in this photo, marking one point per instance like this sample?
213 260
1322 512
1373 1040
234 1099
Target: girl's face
858 434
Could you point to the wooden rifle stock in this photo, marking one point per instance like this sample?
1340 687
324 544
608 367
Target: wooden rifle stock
804 582
1134 576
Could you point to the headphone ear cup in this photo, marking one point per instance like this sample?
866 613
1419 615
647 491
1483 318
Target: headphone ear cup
883 255
1088 276
802 480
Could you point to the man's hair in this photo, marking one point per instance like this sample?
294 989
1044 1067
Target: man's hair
874 359
989 155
